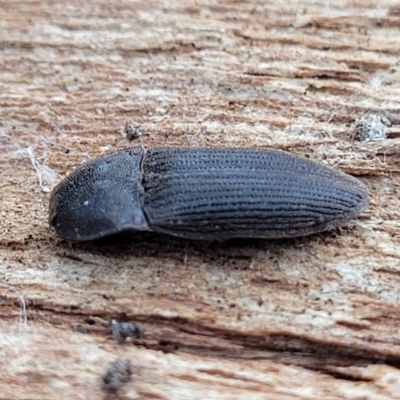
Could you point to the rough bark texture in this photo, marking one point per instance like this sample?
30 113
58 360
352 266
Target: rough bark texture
311 318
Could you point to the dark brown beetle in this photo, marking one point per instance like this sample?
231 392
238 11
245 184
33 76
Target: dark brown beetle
204 193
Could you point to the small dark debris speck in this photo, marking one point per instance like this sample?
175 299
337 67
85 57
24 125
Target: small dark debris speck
117 373
131 130
122 331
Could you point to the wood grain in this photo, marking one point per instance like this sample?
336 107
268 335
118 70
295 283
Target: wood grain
308 318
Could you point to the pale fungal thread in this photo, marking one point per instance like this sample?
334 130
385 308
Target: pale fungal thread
200 193
46 177
370 129
23 318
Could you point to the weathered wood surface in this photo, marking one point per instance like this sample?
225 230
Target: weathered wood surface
309 318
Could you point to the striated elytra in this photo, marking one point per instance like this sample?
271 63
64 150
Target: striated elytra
200 193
